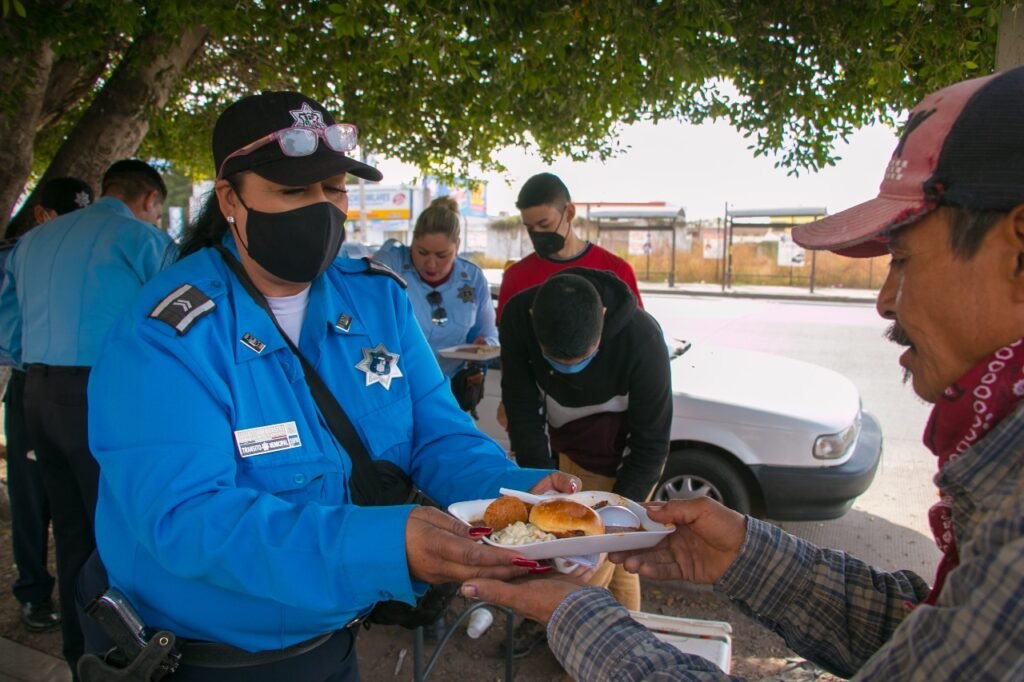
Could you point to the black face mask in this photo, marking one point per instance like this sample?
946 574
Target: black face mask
296 245
548 243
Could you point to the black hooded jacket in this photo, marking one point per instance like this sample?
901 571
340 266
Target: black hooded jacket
612 418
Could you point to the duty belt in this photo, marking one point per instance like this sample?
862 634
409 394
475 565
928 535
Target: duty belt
216 655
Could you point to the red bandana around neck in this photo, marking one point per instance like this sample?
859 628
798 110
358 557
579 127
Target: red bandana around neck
966 412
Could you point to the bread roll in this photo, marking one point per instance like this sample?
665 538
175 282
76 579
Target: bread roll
566 518
505 511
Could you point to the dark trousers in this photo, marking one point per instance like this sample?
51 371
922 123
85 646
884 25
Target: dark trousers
332 661
30 507
56 417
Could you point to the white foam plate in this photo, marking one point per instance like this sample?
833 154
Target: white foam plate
472 512
465 352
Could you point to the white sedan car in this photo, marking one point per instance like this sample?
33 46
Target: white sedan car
767 435
762 434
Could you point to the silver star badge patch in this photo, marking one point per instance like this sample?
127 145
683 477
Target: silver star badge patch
307 117
380 366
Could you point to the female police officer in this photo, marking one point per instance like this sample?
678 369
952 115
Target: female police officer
449 294
224 511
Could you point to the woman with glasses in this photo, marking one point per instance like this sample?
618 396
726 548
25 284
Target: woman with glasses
449 294
226 509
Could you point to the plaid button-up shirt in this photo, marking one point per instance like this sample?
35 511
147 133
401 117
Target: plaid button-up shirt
841 613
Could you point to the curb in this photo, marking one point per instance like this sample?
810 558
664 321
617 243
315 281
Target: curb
820 298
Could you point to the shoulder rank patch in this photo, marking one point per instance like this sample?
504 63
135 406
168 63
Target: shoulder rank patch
377 268
182 307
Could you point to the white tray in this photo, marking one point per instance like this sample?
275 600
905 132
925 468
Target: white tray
472 512
460 352
709 639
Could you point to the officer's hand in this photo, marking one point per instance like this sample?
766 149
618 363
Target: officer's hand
706 541
533 598
559 482
441 549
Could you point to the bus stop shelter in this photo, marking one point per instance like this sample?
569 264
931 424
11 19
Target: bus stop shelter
642 220
764 221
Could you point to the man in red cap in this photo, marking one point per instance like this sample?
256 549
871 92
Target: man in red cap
950 211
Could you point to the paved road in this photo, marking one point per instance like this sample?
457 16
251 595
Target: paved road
888 525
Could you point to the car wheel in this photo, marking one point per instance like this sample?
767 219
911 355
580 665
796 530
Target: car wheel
692 472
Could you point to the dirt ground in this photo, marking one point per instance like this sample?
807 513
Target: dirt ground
757 653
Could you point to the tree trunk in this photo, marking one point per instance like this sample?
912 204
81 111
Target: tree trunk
18 125
116 122
70 81
1010 41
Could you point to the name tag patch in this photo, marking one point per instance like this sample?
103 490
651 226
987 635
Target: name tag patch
263 440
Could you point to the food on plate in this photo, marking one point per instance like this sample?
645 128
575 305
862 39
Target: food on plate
566 518
505 511
516 523
478 349
521 533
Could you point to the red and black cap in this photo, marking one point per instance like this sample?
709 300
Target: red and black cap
256 116
962 146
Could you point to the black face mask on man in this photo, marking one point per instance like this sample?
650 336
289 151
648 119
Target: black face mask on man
548 243
296 245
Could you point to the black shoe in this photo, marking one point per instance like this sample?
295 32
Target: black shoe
39 616
526 637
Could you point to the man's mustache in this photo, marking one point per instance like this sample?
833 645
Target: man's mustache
897 335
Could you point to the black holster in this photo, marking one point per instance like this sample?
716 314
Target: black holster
156 660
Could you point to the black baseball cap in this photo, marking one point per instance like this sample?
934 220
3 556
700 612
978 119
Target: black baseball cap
962 146
256 116
65 195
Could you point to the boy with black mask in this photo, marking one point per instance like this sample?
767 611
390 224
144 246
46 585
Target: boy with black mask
547 212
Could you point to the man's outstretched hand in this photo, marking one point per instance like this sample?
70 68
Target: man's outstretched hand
707 539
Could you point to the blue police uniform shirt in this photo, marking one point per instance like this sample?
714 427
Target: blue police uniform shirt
5 253
465 297
68 280
224 510
352 249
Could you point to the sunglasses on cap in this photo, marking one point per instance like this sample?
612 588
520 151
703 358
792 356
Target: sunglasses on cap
439 316
297 141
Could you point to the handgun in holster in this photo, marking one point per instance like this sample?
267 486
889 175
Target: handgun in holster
138 655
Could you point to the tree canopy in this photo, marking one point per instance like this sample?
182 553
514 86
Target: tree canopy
445 84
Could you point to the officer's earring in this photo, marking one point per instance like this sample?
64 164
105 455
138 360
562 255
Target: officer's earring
231 219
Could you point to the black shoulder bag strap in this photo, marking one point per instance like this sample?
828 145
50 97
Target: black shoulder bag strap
365 483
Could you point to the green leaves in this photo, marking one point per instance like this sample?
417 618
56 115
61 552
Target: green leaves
16 6
446 84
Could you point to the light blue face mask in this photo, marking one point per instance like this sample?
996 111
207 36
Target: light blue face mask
571 369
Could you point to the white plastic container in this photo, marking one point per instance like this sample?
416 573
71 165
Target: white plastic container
710 639
479 621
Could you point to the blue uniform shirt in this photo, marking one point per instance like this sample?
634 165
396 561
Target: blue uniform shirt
6 247
224 511
465 297
67 281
